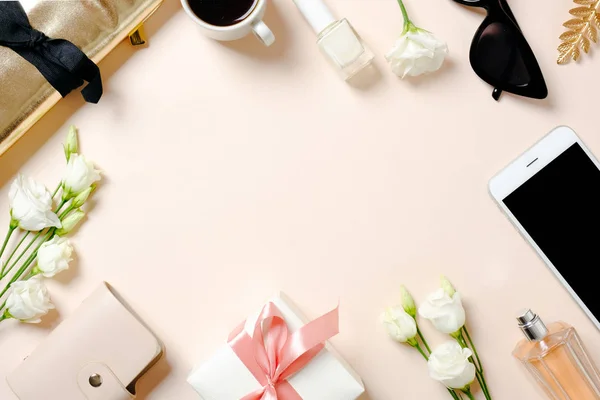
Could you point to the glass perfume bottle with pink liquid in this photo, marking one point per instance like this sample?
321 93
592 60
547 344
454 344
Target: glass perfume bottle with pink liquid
556 357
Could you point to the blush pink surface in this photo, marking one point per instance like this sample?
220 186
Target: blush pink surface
233 171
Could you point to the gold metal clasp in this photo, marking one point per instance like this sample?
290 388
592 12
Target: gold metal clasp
137 37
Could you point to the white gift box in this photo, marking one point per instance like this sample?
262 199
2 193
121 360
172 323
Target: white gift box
326 377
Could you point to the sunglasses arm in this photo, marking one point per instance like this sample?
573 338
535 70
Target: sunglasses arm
496 93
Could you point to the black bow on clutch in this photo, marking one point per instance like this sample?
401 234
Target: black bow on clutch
63 65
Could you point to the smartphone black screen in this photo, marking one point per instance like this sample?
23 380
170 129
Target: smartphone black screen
560 209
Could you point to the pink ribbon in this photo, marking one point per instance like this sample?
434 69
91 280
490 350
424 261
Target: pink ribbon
273 354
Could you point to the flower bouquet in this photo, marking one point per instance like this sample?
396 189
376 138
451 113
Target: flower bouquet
455 363
41 220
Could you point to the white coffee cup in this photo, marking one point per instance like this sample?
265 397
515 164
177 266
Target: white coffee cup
252 23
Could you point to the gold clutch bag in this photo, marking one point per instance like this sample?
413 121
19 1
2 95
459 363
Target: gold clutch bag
95 26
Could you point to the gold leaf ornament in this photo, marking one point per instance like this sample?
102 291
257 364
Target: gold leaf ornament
582 30
585 44
574 24
565 47
564 57
582 12
592 33
570 36
576 53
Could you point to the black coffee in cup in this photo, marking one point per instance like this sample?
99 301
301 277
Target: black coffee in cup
222 12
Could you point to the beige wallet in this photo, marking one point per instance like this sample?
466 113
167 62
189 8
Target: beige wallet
96 354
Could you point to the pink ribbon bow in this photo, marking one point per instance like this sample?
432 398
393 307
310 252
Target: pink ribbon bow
273 354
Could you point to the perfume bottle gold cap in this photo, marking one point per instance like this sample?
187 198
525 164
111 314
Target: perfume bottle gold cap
531 325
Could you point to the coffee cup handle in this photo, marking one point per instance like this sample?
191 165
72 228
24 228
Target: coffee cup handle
263 33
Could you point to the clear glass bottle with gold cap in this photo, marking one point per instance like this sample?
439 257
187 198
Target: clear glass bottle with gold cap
556 357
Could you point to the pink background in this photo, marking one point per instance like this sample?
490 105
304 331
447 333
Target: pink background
232 171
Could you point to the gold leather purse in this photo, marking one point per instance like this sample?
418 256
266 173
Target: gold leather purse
95 26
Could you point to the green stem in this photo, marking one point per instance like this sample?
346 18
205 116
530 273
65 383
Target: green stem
11 229
25 265
469 394
64 213
423 340
57 189
61 205
418 347
461 340
5 274
462 343
13 253
472 346
404 15
478 365
485 388
483 385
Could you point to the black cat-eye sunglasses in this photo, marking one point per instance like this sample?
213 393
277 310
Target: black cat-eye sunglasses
500 54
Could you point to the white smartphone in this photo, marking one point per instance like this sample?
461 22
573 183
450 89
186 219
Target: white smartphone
551 193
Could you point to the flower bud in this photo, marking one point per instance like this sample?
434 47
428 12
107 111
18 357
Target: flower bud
82 197
70 222
71 146
399 325
447 286
407 302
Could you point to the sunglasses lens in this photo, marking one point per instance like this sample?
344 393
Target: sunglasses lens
498 54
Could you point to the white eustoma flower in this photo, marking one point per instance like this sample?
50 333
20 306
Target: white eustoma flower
31 205
80 175
445 313
399 325
53 256
450 365
416 52
28 300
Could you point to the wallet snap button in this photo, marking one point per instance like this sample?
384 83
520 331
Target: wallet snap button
95 380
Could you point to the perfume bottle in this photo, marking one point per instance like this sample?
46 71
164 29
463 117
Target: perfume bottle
557 359
337 39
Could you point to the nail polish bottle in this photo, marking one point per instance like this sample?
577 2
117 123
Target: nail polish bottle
556 357
336 39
